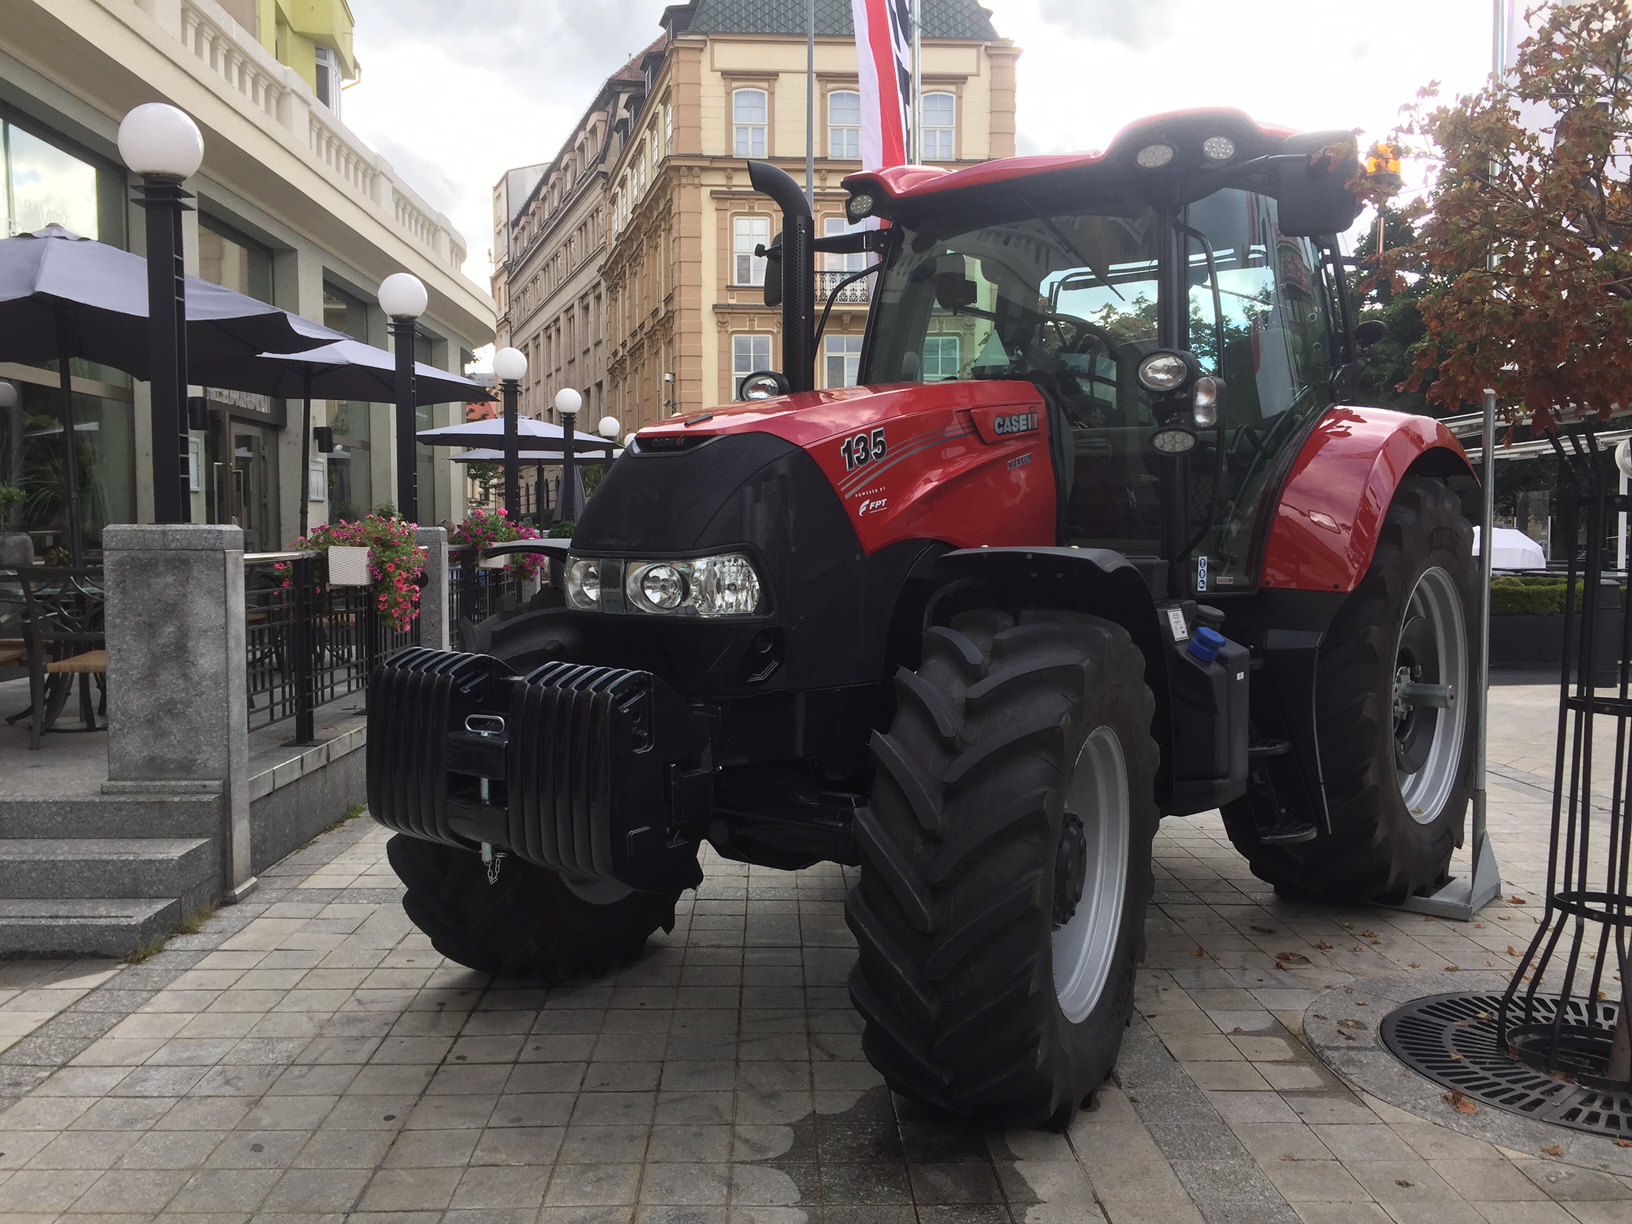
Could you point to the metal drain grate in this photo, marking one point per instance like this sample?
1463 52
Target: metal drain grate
1452 1040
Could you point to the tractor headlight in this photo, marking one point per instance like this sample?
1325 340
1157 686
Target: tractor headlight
707 587
859 205
1218 148
583 583
1173 440
1163 372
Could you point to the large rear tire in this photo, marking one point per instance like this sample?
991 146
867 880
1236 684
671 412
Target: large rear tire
1005 866
528 922
1397 774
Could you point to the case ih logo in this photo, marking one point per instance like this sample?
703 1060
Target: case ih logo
1001 424
1017 423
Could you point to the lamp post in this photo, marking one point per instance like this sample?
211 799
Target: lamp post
164 146
403 298
510 367
567 404
8 403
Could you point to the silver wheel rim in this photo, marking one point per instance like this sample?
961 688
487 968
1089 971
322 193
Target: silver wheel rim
1084 948
1435 599
596 892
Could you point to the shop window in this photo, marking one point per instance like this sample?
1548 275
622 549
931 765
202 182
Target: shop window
940 358
844 125
746 234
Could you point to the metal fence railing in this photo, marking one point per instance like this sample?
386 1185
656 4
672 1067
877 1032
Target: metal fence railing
476 592
307 646
859 293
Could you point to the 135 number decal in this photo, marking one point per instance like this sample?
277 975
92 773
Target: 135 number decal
862 449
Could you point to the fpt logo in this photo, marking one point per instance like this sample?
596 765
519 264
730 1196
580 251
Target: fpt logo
1015 423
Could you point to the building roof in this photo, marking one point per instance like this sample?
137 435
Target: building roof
942 18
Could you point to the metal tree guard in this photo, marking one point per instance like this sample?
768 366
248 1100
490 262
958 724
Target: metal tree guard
1580 1032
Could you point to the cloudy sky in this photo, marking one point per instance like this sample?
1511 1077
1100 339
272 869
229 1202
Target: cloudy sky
455 91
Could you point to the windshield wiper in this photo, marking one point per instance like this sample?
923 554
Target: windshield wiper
1072 247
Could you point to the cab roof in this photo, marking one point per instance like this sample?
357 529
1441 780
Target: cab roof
910 192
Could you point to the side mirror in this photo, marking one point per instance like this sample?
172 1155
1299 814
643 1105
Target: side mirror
1318 192
772 255
954 291
1369 332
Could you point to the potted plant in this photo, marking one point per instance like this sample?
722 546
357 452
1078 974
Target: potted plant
482 528
391 561
16 549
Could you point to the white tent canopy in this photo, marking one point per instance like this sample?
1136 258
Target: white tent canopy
491 433
1513 550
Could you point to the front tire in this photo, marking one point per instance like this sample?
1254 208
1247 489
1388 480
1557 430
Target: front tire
528 922
1005 866
1397 774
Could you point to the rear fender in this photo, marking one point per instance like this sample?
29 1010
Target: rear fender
1092 580
1332 506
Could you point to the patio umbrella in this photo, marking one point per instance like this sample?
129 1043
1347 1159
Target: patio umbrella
530 455
344 370
63 296
476 433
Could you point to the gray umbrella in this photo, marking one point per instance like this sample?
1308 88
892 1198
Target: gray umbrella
344 370
63 296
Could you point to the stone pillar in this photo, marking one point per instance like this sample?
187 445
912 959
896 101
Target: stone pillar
177 698
435 607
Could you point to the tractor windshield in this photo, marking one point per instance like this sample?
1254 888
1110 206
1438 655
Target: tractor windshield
1069 302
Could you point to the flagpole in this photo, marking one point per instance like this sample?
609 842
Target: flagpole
1498 38
916 154
810 104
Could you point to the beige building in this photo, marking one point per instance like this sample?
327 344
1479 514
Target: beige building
292 207
727 82
549 245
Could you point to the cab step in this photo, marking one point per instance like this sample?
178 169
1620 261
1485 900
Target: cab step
1288 833
1257 750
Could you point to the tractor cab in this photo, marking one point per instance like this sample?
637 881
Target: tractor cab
1176 300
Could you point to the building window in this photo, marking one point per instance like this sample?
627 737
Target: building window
328 79
843 360
749 355
844 125
940 358
43 184
748 117
229 259
940 123
746 234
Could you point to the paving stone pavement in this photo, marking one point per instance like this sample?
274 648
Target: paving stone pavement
307 1058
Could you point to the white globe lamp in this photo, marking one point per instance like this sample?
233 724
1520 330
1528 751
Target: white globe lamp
403 296
159 141
8 395
568 402
608 428
510 365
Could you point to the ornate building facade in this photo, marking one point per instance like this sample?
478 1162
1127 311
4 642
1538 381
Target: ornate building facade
727 82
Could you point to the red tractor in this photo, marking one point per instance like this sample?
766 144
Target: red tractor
1098 540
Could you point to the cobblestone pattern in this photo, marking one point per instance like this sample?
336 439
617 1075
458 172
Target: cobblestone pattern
307 1057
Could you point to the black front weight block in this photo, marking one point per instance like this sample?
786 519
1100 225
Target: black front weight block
587 770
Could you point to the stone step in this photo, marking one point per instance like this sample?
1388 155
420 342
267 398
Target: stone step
81 867
113 926
111 816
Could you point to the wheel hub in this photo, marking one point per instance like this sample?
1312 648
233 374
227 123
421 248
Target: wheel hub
1070 869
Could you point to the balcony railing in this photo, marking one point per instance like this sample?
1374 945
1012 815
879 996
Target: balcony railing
858 293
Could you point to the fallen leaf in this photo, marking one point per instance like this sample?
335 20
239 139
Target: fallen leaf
1323 946
1461 1102
1453 969
1478 926
1504 917
1351 1023
1484 1015
1291 958
1454 1057
1623 1143
1552 1149
1511 950
1345 1036
1199 952
1368 934
1415 965
1515 900
1400 1181
1359 947
1289 1156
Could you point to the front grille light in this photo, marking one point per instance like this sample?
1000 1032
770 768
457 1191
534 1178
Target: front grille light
706 588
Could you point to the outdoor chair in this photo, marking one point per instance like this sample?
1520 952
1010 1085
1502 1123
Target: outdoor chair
62 637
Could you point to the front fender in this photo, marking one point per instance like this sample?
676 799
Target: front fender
1332 506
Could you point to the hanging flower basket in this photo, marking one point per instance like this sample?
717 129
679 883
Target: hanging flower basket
378 551
482 528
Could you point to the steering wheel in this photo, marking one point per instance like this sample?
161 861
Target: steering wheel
1087 335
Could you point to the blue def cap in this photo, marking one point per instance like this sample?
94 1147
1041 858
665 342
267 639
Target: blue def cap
1206 644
